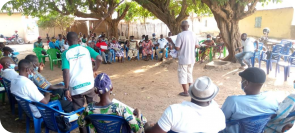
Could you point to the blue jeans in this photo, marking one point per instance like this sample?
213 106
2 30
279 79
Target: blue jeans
103 54
244 56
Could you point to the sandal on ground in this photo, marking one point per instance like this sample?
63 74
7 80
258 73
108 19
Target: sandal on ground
183 94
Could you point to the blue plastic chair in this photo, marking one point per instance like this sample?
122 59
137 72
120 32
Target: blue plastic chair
50 111
286 43
11 98
43 90
166 54
24 104
291 63
257 54
152 55
104 123
113 54
274 56
254 124
285 53
127 49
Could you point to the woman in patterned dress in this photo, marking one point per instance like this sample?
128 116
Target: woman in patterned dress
147 46
103 87
118 49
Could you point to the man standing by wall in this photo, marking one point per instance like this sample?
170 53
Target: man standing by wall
186 43
78 71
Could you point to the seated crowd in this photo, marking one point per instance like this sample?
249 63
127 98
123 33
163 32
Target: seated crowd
200 114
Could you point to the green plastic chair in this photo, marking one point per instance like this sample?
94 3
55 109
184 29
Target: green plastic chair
40 56
210 55
53 58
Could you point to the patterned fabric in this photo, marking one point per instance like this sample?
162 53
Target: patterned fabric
118 49
147 48
276 124
38 45
205 51
40 81
135 124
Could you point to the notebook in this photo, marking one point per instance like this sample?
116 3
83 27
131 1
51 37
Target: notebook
73 117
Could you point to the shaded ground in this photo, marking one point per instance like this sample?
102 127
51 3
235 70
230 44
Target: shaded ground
152 86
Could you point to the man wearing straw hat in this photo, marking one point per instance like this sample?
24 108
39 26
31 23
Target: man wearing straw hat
201 114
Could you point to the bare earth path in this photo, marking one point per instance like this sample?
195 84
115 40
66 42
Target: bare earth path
152 86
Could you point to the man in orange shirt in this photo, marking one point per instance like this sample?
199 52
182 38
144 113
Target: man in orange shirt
103 47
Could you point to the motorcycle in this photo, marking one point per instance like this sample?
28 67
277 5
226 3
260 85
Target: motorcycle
14 39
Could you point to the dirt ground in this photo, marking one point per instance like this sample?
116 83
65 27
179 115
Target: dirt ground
152 86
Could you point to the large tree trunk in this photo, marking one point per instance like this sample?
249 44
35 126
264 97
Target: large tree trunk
227 16
231 35
113 27
174 27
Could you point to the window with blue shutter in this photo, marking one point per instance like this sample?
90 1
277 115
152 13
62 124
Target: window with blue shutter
258 22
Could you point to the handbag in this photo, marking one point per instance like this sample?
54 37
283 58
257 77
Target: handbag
63 123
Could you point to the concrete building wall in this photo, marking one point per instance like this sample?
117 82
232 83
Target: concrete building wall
8 24
277 20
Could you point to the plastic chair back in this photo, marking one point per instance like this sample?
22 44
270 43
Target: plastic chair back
254 124
25 104
11 99
276 51
50 111
286 43
285 50
52 53
48 116
292 59
109 123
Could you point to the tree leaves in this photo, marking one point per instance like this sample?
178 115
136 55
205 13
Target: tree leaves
55 20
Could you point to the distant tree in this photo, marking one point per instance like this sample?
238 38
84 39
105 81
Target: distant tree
143 13
56 20
99 9
173 12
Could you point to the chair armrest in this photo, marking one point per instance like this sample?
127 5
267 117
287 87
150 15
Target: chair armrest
54 104
43 90
80 110
292 113
231 122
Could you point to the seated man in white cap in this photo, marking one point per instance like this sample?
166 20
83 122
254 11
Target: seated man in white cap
254 103
202 114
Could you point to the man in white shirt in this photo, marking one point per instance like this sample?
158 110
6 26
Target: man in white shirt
162 43
78 72
8 72
248 52
202 114
23 87
254 103
186 43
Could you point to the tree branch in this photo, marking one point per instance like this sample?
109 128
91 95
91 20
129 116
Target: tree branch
251 10
182 15
124 13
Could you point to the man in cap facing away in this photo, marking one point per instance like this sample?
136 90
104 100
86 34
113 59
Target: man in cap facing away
196 116
254 103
